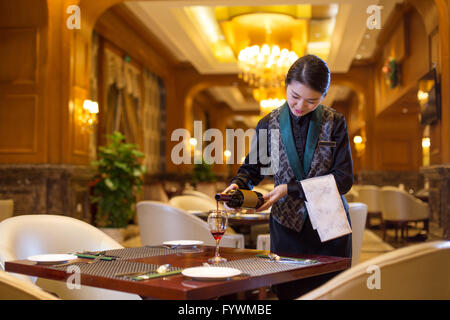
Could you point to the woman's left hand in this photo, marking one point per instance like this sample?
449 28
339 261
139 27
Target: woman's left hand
273 196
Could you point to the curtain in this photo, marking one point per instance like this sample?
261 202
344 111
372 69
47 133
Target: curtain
135 106
123 97
153 122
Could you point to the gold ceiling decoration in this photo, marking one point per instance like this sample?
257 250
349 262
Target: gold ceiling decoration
266 43
266 40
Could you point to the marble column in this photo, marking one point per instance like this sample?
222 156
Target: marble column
438 177
47 189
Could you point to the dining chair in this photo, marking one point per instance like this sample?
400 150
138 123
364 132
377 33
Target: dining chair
414 272
196 193
159 222
155 192
263 241
208 188
12 288
399 208
371 196
27 235
6 209
193 202
358 215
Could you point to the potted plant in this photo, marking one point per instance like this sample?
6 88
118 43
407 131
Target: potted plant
118 178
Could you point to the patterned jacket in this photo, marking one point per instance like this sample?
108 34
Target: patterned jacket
331 154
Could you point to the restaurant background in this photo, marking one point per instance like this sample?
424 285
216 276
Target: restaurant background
146 91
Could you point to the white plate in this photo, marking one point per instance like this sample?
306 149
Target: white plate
52 258
183 243
211 273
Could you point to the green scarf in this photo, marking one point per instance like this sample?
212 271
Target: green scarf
300 169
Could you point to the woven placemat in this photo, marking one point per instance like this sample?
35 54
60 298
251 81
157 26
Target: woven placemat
109 269
144 252
260 266
139 252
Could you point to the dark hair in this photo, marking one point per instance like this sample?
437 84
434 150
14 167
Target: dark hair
310 71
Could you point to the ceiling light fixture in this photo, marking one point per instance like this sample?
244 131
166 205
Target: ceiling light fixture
265 66
267 40
267 105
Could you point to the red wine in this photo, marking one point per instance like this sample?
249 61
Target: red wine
241 199
217 234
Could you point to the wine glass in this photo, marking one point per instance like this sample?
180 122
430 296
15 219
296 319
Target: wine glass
217 222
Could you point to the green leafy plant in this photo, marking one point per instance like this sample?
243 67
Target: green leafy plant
203 173
118 178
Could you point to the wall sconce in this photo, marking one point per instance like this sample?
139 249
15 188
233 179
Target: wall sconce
426 144
359 145
193 142
227 154
87 117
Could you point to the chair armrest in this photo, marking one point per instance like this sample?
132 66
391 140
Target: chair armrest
420 210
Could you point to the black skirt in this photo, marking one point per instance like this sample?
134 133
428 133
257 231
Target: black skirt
287 241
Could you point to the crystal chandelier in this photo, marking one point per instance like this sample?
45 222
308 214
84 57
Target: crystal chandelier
269 98
265 66
270 104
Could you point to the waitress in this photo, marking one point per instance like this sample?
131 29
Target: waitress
313 142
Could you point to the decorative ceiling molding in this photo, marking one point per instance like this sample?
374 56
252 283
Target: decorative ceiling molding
234 98
170 23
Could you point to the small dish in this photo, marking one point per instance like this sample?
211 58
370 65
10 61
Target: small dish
183 243
52 258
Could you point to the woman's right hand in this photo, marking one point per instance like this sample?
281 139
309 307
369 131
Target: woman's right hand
232 186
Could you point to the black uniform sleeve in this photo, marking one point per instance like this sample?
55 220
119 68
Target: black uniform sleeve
342 168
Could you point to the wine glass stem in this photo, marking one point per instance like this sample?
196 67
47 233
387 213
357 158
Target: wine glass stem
217 247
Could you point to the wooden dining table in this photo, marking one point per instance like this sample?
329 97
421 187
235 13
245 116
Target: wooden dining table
179 286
